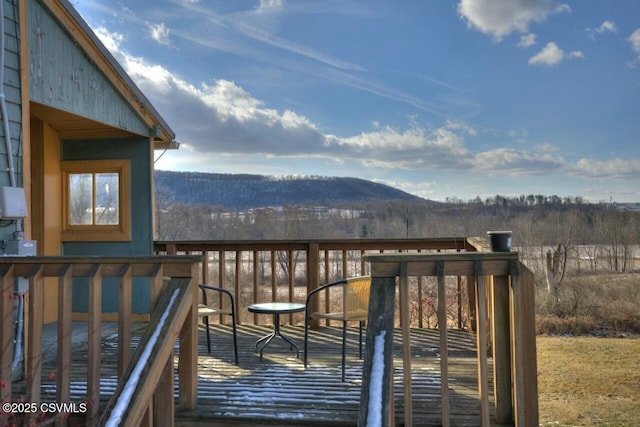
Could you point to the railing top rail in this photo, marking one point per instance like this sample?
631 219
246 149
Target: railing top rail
454 264
450 243
451 256
82 266
131 259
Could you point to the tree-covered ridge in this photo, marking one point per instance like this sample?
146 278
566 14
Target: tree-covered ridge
246 191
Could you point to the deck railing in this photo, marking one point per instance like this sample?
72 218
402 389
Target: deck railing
94 269
260 271
494 298
497 302
504 296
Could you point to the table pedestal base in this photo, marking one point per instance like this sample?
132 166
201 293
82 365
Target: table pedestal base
276 333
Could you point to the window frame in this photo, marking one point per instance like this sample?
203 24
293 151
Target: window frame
120 232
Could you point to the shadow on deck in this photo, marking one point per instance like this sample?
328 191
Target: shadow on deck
277 390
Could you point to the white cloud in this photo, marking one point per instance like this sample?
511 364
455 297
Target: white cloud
545 147
222 119
551 54
605 27
576 54
527 40
110 40
500 18
634 39
508 161
159 33
613 168
270 5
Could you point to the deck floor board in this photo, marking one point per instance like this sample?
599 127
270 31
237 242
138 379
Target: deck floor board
277 390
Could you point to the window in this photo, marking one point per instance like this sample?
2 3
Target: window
96 203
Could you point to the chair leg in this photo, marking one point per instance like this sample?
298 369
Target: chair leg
206 323
360 348
306 340
344 347
235 337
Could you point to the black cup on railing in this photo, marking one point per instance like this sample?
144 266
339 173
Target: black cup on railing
500 241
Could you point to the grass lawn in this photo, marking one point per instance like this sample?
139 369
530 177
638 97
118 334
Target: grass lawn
584 381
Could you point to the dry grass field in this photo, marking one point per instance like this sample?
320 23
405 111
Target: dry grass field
589 381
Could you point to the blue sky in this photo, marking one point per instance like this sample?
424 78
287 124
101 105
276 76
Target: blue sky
438 98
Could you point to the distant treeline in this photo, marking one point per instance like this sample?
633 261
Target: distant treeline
521 200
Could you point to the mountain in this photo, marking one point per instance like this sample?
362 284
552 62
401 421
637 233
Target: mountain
245 191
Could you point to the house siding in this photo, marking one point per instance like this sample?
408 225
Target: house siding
11 90
62 76
137 150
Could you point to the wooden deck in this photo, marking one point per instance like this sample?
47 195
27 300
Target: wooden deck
277 390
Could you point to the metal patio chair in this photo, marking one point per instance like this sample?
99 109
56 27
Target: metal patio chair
205 310
355 307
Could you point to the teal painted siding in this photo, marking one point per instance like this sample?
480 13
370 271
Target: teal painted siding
12 94
62 77
138 152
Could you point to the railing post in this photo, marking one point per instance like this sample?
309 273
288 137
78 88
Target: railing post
523 346
313 274
188 362
501 349
375 407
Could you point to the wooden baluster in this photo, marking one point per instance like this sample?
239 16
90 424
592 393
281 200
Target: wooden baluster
125 285
237 284
221 281
327 292
313 260
6 337
274 277
63 376
94 324
481 336
292 278
406 343
444 350
256 287
34 345
156 284
499 286
205 267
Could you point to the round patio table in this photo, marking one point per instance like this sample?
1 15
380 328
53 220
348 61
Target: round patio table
276 309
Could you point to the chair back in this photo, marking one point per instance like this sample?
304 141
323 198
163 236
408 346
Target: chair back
356 298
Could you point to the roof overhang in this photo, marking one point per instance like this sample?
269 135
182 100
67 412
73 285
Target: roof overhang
160 132
71 126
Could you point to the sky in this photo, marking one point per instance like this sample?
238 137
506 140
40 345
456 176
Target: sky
442 99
